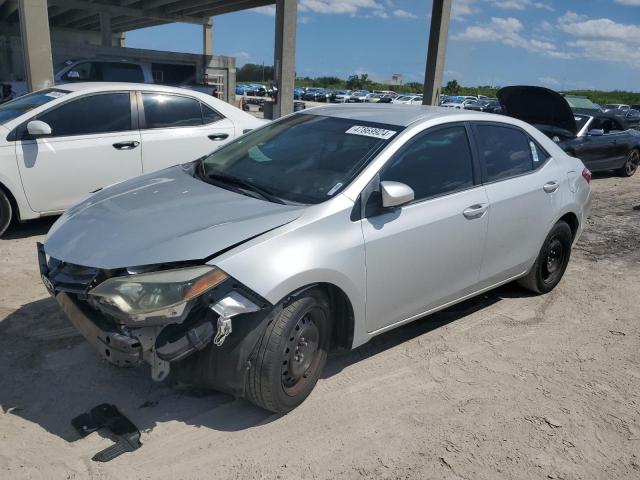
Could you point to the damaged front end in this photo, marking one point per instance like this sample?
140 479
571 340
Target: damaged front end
161 314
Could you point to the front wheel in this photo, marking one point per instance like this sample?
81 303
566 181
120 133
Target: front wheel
291 354
552 260
631 164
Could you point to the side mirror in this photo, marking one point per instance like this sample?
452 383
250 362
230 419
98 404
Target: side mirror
72 75
37 128
596 132
395 194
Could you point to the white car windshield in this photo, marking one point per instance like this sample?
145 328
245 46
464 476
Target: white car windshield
21 105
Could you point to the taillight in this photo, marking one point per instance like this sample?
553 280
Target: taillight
586 174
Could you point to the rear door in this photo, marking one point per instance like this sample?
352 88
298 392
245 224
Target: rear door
178 129
524 187
429 252
94 143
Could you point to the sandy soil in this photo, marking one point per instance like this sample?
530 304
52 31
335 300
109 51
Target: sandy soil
504 386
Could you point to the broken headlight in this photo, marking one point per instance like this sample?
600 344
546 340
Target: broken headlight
158 295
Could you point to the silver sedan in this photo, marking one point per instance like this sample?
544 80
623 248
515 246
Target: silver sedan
242 270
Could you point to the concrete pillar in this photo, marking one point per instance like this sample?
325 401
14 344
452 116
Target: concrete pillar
36 43
207 38
231 86
105 29
284 64
440 15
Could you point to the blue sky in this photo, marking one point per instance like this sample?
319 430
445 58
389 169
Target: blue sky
561 44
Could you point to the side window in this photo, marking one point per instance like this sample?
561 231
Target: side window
433 164
504 151
120 72
163 111
93 114
83 72
540 156
209 115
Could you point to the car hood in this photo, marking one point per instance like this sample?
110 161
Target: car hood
538 106
163 217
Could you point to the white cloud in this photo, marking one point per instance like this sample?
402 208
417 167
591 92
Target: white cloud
549 81
350 7
404 14
520 4
269 10
509 31
460 9
631 3
602 39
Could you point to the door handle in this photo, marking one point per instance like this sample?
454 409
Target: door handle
126 145
216 137
475 211
551 187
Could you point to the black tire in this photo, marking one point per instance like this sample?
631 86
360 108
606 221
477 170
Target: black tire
631 164
6 212
280 379
552 260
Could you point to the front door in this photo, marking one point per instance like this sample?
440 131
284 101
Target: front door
429 252
92 145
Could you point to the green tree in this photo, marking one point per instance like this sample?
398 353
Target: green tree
452 88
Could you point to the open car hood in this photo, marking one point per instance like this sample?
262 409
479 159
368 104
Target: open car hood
164 217
538 106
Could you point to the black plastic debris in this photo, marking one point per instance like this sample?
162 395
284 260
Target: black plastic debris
109 417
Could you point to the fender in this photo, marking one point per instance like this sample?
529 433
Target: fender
10 181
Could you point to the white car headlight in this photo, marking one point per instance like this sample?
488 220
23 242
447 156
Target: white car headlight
158 294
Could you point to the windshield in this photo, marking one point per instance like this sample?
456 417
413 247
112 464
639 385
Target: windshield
303 158
456 100
15 108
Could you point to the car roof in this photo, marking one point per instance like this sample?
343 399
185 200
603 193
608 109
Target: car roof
107 86
391 114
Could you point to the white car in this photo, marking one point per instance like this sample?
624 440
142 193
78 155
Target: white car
60 144
408 100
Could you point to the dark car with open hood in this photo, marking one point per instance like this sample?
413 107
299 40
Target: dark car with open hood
601 140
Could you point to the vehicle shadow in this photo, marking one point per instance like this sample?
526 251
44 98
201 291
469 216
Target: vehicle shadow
31 228
50 374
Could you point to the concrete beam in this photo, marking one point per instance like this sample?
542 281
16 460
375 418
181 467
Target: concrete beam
36 43
116 10
285 55
440 15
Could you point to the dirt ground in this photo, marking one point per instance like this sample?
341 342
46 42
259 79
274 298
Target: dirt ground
504 386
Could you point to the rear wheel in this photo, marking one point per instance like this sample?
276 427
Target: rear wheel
552 260
631 164
6 212
291 354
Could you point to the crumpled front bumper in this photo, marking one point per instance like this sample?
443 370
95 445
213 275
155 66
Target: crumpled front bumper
111 343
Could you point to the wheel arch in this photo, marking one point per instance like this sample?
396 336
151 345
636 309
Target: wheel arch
572 220
342 336
12 200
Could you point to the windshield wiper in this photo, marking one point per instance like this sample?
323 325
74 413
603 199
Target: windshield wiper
245 185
